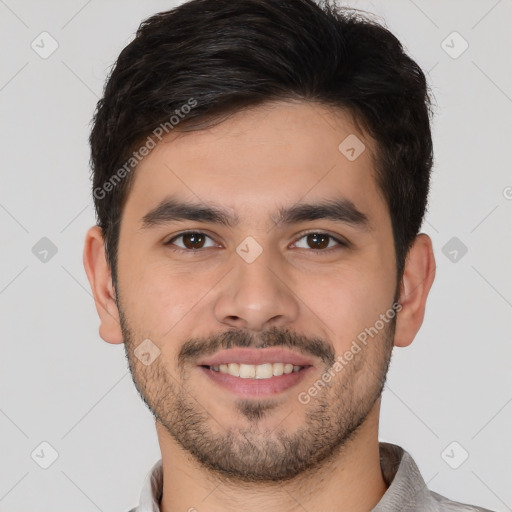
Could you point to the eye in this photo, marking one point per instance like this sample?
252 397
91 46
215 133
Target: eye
192 241
320 241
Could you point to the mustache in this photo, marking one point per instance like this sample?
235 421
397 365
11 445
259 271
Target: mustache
274 337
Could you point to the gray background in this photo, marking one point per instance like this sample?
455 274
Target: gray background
61 384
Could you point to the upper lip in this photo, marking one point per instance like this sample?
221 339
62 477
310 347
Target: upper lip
255 357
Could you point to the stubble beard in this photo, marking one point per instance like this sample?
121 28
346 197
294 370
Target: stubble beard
253 454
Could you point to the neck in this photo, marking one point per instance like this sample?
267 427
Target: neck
351 481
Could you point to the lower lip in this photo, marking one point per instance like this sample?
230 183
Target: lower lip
257 387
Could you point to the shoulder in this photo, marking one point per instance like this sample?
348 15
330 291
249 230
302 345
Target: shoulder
447 505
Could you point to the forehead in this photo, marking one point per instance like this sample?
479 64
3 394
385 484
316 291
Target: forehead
262 159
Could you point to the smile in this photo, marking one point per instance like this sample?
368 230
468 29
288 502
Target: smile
252 371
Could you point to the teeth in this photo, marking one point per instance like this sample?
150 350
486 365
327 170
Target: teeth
264 371
278 369
260 371
247 371
233 369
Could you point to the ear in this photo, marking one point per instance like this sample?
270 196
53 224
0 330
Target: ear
100 278
419 273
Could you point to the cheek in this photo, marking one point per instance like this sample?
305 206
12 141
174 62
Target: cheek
163 299
348 302
165 303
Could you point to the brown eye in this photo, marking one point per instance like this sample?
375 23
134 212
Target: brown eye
192 240
319 241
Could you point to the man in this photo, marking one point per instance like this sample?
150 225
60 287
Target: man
260 176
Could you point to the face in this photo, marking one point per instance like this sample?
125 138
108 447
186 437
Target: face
247 273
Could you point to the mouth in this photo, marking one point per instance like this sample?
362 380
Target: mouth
256 372
252 371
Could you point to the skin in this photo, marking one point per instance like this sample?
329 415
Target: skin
221 453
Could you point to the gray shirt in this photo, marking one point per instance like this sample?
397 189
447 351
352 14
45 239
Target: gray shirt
407 491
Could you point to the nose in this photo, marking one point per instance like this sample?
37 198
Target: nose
257 296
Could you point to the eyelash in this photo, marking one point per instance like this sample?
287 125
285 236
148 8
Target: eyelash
302 235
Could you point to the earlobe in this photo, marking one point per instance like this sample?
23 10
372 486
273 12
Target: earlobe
417 280
100 279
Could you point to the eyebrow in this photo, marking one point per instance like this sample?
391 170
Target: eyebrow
172 209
